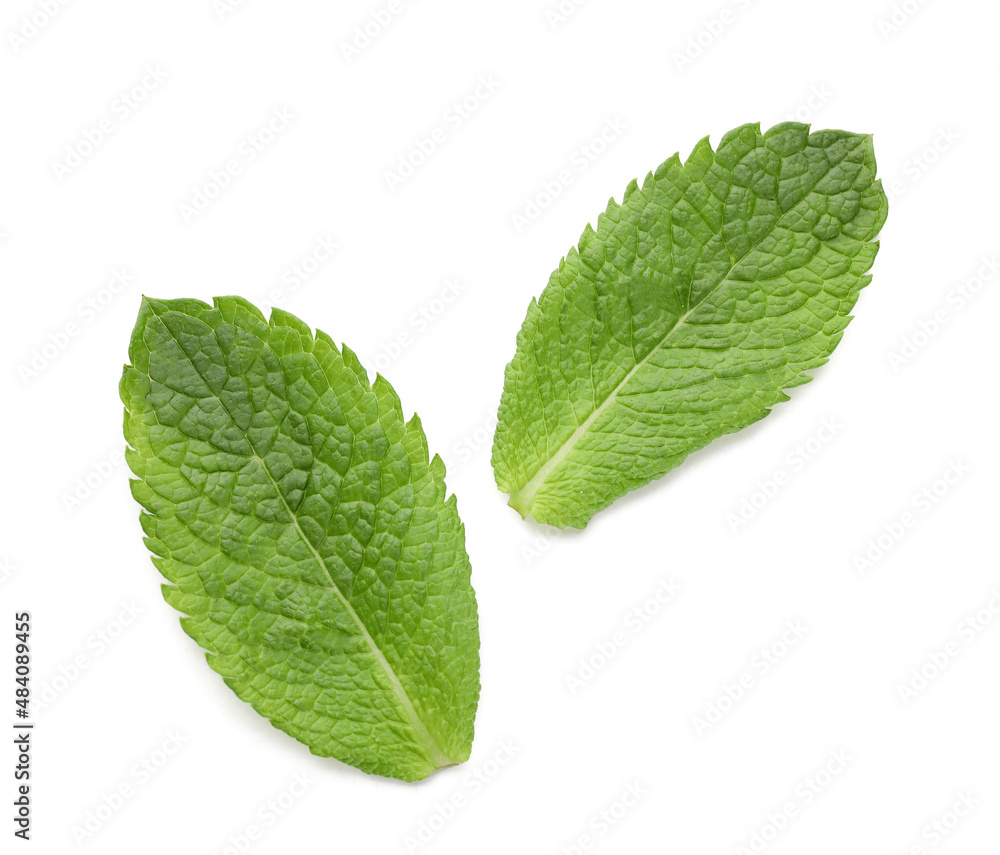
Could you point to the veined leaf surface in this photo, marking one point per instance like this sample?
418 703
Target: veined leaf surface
304 533
715 285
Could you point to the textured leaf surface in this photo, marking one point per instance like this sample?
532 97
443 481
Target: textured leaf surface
305 534
712 287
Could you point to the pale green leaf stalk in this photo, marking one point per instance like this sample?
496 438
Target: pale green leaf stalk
304 533
715 285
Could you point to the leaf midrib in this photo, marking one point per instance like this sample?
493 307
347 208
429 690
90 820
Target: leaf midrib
430 744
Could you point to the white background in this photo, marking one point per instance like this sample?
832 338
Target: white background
906 404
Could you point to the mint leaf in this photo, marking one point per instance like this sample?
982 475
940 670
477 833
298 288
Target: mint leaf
305 534
712 287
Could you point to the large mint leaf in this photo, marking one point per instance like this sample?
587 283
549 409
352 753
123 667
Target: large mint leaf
712 287
304 533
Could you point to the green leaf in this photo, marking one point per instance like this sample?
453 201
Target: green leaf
712 287
305 534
